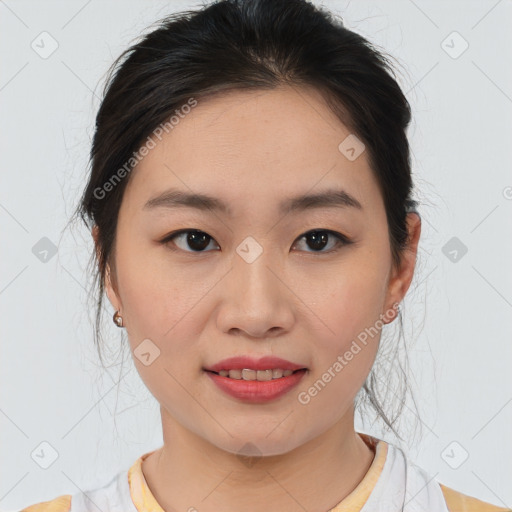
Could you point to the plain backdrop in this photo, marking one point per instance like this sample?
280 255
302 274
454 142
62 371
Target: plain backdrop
454 66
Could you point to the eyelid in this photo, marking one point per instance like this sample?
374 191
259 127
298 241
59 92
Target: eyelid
167 239
342 240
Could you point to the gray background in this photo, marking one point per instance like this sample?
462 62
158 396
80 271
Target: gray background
457 311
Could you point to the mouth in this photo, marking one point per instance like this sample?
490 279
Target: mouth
256 386
248 374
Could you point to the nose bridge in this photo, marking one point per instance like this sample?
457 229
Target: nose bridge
256 299
251 267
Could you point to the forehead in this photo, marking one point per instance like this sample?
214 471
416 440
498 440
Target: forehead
251 147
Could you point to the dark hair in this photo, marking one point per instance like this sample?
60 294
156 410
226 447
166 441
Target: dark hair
248 44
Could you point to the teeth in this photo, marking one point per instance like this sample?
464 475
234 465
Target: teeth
260 375
276 374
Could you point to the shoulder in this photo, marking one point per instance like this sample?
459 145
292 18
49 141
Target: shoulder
458 502
113 495
60 504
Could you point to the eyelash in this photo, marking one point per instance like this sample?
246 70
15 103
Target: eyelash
342 240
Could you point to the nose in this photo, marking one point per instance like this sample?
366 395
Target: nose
256 300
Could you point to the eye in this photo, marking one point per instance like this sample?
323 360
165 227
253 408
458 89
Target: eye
198 240
195 239
318 239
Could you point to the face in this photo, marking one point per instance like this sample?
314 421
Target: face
303 284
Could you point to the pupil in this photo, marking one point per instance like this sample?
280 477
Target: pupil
319 239
197 240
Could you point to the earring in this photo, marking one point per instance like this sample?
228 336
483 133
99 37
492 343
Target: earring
397 307
118 319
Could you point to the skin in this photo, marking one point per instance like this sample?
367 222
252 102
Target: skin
252 149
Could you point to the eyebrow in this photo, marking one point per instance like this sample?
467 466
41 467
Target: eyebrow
174 198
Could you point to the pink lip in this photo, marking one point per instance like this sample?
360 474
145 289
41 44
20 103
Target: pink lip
264 363
257 391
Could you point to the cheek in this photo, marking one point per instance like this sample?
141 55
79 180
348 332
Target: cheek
154 292
347 311
159 303
345 347
162 324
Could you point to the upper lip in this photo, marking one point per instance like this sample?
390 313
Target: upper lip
264 363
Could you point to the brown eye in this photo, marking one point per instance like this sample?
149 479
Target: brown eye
192 239
321 238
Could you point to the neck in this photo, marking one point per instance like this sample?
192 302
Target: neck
188 471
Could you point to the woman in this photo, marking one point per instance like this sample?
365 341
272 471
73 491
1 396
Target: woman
250 199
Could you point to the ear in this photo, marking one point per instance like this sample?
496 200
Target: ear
401 278
108 284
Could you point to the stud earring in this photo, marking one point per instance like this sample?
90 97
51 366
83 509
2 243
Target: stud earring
118 319
397 307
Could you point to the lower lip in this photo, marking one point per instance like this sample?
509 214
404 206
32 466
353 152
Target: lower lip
255 391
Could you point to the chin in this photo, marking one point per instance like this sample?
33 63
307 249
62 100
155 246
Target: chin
260 444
